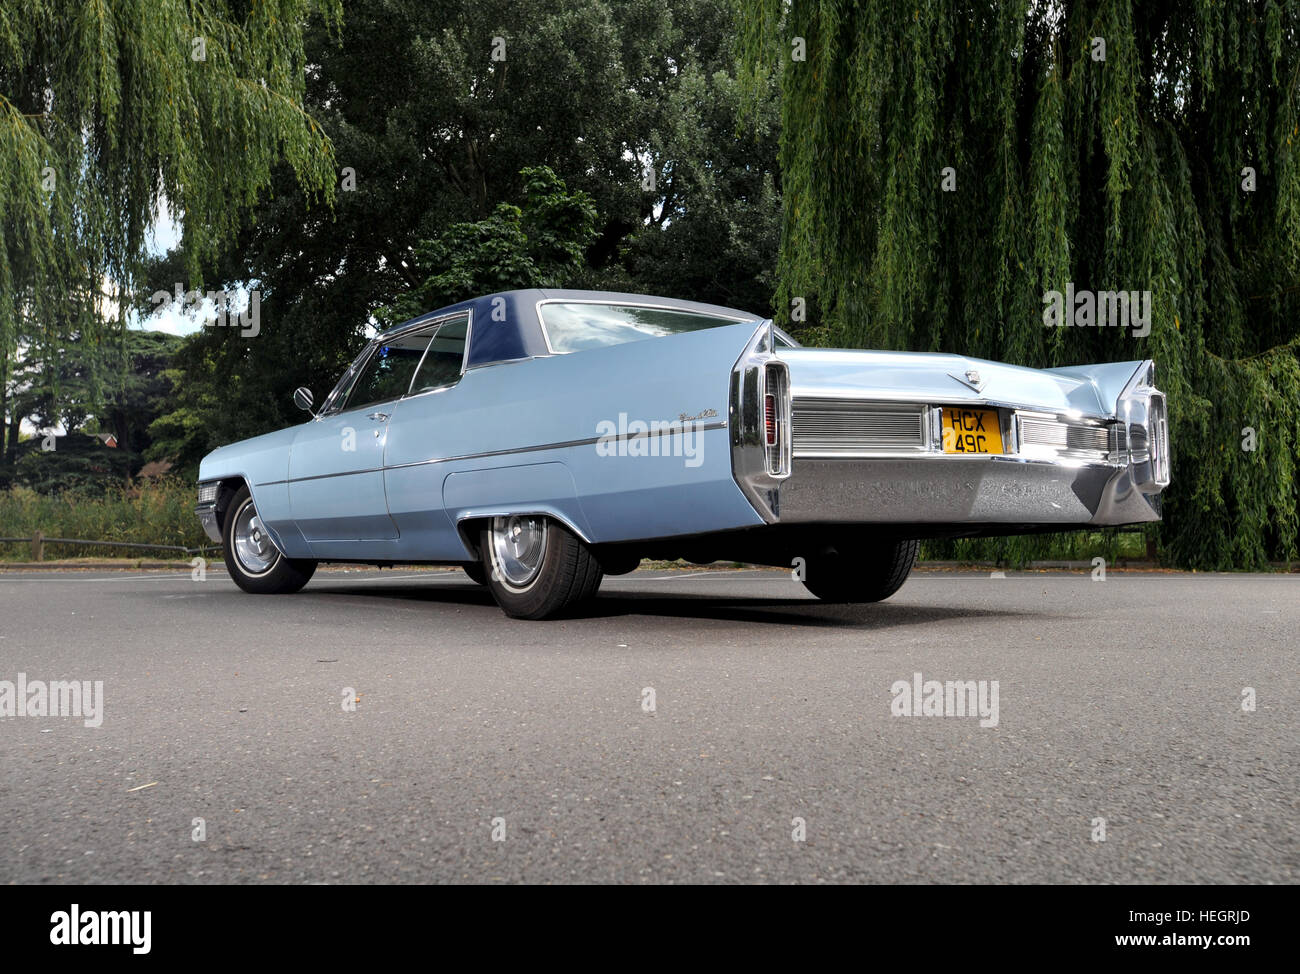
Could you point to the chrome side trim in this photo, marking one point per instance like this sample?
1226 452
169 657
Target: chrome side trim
503 361
903 396
469 337
672 430
476 514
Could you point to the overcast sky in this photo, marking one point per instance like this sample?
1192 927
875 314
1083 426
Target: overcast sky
163 236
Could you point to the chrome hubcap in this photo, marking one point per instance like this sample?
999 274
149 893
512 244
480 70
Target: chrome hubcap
518 547
253 547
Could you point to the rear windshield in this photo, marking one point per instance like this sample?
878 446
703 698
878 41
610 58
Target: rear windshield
574 327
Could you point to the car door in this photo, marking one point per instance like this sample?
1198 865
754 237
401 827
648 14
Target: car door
336 466
423 426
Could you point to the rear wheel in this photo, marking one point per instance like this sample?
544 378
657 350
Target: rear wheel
537 568
255 564
870 572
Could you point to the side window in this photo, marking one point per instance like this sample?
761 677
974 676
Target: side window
442 362
387 373
338 396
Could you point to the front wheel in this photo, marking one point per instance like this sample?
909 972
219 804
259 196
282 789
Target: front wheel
536 567
866 573
253 560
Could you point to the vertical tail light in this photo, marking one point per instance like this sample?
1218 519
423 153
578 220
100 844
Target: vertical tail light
776 418
759 419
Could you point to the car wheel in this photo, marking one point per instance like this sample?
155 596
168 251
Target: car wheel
871 573
475 572
537 567
253 560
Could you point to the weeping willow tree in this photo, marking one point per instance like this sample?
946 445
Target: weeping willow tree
949 163
109 109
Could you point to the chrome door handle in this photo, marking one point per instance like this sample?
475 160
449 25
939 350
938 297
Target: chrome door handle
378 417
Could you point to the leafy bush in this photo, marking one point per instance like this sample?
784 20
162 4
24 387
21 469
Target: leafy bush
154 513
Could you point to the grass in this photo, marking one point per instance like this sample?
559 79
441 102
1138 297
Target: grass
1113 544
159 512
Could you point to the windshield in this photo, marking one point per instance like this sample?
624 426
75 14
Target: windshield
576 326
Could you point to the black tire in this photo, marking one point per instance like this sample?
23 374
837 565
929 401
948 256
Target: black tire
565 572
872 574
475 571
280 575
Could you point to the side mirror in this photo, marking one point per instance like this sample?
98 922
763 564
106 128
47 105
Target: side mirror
302 398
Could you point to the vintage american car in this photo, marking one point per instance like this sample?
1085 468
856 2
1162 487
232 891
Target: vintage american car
542 439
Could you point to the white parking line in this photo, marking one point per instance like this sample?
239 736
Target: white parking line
734 573
61 577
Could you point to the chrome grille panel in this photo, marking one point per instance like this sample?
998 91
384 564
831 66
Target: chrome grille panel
857 427
1064 437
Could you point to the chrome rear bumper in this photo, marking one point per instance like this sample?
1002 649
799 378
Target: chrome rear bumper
962 491
855 457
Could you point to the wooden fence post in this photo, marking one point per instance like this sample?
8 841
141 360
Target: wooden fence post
38 546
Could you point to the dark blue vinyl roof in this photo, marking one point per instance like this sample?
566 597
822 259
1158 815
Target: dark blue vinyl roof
504 326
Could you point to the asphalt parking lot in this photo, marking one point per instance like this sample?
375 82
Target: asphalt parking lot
482 749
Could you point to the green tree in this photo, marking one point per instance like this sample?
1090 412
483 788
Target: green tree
189 427
436 133
110 110
540 244
137 391
710 230
78 462
947 164
132 394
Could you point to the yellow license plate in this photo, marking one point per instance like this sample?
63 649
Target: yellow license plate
971 430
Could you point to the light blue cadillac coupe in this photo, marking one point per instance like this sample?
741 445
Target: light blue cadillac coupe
544 439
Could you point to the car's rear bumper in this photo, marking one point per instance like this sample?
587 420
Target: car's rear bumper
840 446
962 491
